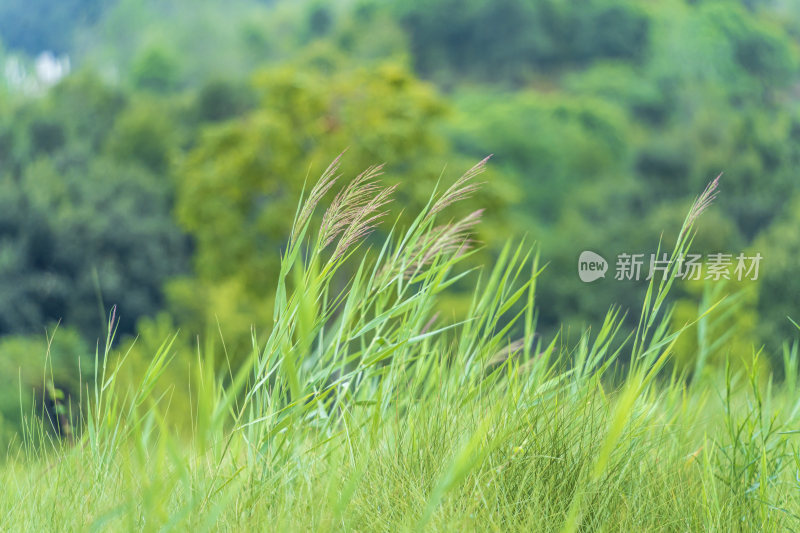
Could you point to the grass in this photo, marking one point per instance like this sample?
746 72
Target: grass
365 411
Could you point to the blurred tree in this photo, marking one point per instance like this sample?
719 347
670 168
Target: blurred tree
145 134
162 45
451 37
646 101
85 219
79 236
759 153
743 58
238 189
78 112
320 19
156 68
219 100
86 106
550 143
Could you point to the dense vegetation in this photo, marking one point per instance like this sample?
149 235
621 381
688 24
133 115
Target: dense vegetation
161 177
361 409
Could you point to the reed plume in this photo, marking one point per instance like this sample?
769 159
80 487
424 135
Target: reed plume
463 188
323 185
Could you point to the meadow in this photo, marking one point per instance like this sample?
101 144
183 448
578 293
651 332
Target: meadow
205 327
365 409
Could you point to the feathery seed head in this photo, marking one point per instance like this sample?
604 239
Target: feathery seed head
702 203
463 188
323 185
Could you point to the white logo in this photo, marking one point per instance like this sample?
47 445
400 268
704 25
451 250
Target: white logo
591 266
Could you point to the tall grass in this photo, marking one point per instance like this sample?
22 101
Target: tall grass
367 409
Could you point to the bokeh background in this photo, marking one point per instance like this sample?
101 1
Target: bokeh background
152 154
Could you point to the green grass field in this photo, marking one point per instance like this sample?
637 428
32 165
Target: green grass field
364 410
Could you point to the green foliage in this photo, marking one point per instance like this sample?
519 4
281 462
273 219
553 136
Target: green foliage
41 378
155 69
744 57
241 167
779 284
359 412
166 45
235 188
83 229
453 38
726 337
756 47
80 112
144 135
220 100
62 260
609 149
556 142
602 116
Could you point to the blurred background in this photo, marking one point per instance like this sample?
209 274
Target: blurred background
152 153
